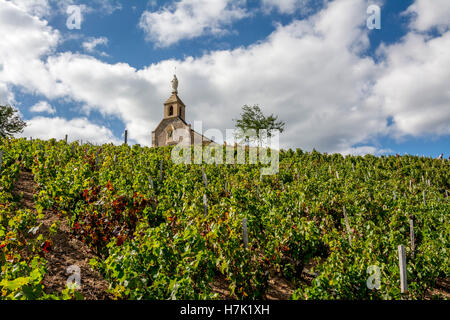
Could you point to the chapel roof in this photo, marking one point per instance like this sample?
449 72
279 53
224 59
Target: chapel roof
174 99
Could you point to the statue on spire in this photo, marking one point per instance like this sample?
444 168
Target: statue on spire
175 84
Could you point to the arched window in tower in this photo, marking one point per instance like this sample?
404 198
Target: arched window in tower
171 111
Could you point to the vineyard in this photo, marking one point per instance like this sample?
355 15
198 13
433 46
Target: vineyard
159 230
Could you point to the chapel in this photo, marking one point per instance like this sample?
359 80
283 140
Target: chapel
175 118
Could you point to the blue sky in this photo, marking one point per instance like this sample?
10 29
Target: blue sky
339 86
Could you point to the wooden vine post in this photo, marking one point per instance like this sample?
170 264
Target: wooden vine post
205 205
1 158
96 159
245 232
126 136
402 266
411 233
150 181
347 225
205 178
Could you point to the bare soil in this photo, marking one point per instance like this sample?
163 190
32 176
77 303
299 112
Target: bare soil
279 288
65 251
441 291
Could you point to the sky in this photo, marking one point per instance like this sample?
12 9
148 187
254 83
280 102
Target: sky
91 69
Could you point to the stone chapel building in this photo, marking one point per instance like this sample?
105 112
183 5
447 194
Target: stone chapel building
174 119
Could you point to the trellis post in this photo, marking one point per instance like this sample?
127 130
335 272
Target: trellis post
411 232
205 178
205 205
347 225
245 233
150 180
402 266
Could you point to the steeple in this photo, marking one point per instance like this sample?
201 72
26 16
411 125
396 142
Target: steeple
165 133
174 107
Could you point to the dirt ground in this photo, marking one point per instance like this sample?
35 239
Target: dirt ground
66 251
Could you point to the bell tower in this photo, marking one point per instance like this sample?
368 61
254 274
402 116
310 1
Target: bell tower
174 121
174 107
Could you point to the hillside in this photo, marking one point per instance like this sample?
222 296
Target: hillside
319 229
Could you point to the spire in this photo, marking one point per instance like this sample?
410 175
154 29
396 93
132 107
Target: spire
175 84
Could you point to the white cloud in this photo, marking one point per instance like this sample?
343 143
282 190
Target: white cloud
187 19
6 96
363 150
43 106
429 14
92 43
109 6
77 129
322 101
309 72
38 8
285 6
318 100
48 8
26 41
413 87
113 90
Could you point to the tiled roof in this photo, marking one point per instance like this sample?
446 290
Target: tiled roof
174 99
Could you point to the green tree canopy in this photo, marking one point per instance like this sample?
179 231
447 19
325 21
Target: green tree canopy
10 122
252 118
